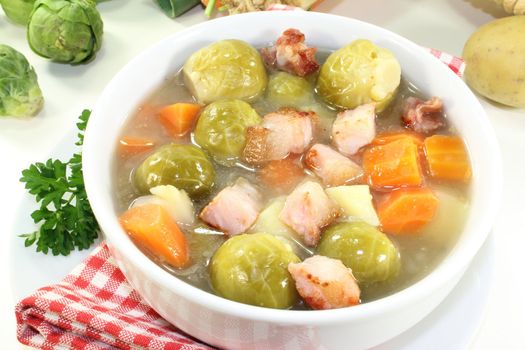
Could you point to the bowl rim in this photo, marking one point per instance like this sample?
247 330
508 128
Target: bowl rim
456 263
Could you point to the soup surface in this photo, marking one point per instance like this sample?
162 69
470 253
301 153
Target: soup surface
417 246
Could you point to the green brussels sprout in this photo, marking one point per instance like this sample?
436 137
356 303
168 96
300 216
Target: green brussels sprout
20 95
359 73
67 31
183 166
289 90
225 69
17 11
363 248
253 269
221 129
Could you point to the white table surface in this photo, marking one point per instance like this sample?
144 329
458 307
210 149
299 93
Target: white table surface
131 26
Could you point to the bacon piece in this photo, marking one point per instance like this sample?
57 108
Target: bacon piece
234 209
423 116
281 133
353 129
291 55
325 283
331 166
308 209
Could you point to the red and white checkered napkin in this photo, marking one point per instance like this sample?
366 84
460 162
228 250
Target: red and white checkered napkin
95 308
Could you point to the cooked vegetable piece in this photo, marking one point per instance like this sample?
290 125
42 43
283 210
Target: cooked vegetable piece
183 166
67 31
407 210
387 137
20 94
152 227
18 11
234 209
281 175
227 69
447 158
356 203
221 129
178 118
286 90
359 73
252 269
132 145
325 283
395 164
353 129
331 166
362 248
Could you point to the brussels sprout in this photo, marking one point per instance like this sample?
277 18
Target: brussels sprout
183 166
253 269
67 31
20 95
363 248
225 69
289 90
359 73
17 11
221 129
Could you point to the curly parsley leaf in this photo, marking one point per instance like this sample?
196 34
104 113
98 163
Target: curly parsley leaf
65 216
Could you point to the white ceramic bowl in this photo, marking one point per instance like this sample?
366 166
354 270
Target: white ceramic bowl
232 325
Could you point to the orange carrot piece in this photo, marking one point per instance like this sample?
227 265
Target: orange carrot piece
152 227
130 145
394 164
178 118
218 3
281 174
387 137
407 210
447 158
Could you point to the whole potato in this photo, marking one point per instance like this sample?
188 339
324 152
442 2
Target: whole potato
495 58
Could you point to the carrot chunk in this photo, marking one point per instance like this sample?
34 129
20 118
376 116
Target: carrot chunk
152 227
281 174
387 137
447 158
130 145
178 118
407 210
394 164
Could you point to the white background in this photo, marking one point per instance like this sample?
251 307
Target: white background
132 26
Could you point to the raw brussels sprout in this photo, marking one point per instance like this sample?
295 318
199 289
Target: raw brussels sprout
183 166
363 248
289 90
20 95
253 269
67 31
359 73
225 69
17 11
221 129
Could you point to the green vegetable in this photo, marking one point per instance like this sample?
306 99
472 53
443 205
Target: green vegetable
65 216
174 8
227 69
363 248
67 31
20 95
359 73
18 11
221 129
253 269
183 166
286 90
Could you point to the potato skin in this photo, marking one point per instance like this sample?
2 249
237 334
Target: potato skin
495 59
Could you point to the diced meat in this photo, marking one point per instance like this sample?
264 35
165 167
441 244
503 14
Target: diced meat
325 283
423 116
331 166
307 210
281 133
234 209
291 55
353 129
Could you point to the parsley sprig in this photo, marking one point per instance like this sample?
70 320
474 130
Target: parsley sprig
65 216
